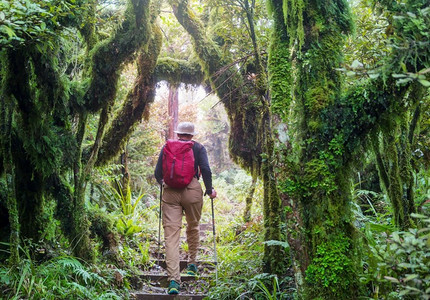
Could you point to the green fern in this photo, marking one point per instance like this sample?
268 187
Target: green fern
57 278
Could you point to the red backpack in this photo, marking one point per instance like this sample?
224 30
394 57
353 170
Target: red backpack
178 163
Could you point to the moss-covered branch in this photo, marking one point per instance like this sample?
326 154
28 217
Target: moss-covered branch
242 106
137 101
108 56
177 71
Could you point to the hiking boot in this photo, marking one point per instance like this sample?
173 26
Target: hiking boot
192 270
173 288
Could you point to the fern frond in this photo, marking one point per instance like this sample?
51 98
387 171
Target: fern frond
108 295
69 262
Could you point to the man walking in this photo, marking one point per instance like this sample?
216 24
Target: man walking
182 194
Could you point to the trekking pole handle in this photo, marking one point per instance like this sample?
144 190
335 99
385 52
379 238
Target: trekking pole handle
212 195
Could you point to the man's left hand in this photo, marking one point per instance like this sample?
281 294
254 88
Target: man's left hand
213 195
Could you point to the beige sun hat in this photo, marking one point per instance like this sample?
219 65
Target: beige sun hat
185 128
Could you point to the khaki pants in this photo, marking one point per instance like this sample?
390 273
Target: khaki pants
175 201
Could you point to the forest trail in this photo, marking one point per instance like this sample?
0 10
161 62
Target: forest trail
155 279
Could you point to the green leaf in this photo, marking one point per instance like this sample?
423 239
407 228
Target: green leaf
424 82
412 288
396 237
408 266
379 227
405 80
424 71
43 25
392 279
418 216
277 243
7 30
356 64
410 277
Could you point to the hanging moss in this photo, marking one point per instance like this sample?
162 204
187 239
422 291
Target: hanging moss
293 18
248 201
280 77
88 28
7 171
61 191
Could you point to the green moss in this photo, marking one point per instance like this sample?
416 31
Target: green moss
242 106
330 274
279 67
136 102
293 17
62 192
109 56
329 134
177 71
103 227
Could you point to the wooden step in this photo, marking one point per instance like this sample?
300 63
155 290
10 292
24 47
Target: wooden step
206 227
163 278
183 264
145 296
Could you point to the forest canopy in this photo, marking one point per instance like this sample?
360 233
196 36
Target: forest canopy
316 118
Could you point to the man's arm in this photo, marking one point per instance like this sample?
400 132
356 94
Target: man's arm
205 169
158 173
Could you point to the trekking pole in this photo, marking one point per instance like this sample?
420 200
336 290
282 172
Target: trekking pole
214 237
159 225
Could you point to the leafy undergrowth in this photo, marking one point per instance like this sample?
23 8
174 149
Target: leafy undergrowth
396 264
62 277
240 274
240 248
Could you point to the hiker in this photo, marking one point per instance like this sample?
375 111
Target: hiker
182 195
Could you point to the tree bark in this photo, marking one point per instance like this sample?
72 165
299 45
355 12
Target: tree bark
173 110
248 201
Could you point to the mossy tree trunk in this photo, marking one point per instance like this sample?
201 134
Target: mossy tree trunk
333 123
108 58
173 110
7 169
28 175
45 103
248 200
